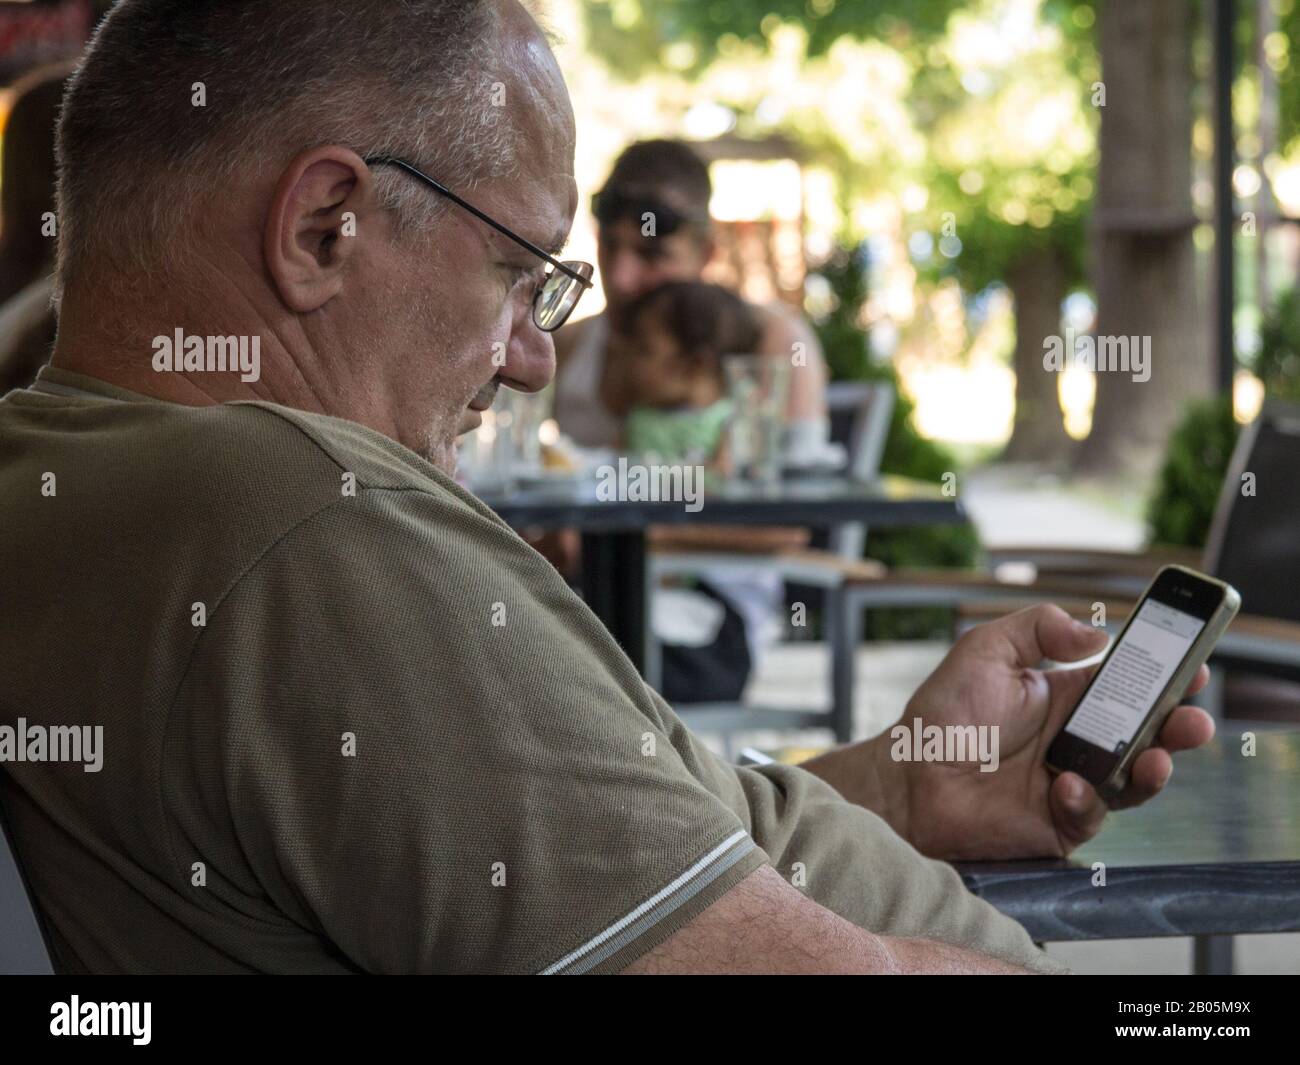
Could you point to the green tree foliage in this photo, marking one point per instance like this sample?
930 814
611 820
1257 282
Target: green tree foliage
1001 199
635 35
1282 49
1012 148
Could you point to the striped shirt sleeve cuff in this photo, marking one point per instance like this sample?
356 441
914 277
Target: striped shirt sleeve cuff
668 909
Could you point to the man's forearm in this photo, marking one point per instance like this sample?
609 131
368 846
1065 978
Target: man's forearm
764 926
855 863
924 957
864 774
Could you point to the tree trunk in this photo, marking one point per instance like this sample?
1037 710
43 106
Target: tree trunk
1037 282
1143 261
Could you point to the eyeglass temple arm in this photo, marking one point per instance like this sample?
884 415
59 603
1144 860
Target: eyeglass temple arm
391 160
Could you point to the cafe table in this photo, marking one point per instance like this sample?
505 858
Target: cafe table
614 575
1215 855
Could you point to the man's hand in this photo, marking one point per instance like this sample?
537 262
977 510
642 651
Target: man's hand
954 811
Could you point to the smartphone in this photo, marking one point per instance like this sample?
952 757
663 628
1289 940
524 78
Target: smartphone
1143 677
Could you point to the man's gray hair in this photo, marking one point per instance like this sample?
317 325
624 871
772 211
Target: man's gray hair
178 101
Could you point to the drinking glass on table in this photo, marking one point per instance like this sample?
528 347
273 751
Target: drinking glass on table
506 448
758 386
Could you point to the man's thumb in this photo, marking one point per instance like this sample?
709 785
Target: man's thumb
1047 631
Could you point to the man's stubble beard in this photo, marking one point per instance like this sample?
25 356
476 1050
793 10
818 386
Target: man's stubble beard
437 435
433 432
437 452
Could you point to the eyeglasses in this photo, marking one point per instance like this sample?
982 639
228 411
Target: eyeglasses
564 282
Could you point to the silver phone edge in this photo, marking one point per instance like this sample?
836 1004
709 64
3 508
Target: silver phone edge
1173 692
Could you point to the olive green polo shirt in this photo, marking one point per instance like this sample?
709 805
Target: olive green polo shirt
352 723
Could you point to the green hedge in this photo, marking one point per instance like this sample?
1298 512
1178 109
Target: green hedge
1199 449
1196 461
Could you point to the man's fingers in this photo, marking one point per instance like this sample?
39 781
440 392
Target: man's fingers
1185 728
1199 681
1043 631
1151 772
1077 810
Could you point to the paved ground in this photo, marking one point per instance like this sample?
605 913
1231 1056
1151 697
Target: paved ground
1019 505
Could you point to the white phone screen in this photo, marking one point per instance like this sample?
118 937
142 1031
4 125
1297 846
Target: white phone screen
1133 676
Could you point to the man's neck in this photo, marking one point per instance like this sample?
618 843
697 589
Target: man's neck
129 343
196 364
105 361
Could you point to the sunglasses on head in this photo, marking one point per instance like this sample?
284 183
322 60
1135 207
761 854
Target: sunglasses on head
615 205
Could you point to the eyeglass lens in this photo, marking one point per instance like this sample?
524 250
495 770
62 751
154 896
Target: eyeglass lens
558 296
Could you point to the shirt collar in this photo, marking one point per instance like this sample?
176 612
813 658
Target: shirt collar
56 381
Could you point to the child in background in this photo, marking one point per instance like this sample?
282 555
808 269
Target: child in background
704 625
683 330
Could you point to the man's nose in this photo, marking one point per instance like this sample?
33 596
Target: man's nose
530 358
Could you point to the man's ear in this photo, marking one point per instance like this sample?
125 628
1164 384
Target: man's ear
313 223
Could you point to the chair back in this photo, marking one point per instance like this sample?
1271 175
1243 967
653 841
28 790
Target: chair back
1254 541
860 415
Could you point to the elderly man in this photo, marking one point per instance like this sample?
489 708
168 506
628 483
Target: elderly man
350 721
